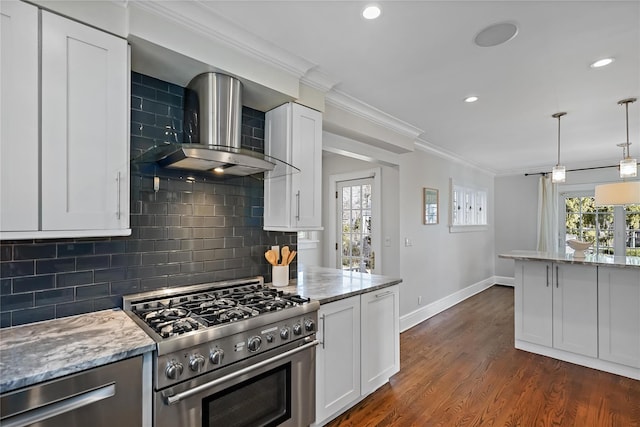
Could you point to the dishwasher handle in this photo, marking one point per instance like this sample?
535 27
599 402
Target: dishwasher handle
61 407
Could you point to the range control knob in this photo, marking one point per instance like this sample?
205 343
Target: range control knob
216 356
174 370
309 325
269 337
197 362
284 333
297 329
254 343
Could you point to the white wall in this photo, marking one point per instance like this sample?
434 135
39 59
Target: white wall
439 263
515 208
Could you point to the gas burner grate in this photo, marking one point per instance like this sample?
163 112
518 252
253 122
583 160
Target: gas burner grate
191 311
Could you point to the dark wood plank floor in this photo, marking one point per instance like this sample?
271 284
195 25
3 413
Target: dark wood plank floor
460 368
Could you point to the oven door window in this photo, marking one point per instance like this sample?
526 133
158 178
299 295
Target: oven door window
263 400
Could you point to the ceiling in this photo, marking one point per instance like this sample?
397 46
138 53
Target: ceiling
418 61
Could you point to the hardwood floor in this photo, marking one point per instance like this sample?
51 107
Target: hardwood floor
460 368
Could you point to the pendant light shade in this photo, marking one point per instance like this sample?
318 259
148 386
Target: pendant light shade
559 172
628 165
619 193
622 193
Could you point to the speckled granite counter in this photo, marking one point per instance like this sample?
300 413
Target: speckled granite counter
604 260
37 352
330 284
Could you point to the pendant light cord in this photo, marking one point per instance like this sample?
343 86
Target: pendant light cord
559 140
626 105
557 116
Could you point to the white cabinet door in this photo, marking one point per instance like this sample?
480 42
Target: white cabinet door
533 302
575 309
19 172
619 316
85 135
337 357
307 156
293 133
380 337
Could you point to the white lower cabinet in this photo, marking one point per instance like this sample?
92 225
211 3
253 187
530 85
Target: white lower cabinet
359 350
380 337
557 306
619 315
584 314
337 357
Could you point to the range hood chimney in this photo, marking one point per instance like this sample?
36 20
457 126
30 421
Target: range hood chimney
212 128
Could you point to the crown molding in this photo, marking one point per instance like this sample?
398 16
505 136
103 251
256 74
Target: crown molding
319 80
199 16
353 105
427 147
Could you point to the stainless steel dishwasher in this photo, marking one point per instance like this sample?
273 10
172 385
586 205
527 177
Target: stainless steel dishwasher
105 396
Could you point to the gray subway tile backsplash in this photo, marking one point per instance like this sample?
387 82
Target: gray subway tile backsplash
186 233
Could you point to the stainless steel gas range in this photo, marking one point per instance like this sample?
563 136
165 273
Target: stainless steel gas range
234 353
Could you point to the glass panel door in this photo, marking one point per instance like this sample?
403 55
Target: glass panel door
354 216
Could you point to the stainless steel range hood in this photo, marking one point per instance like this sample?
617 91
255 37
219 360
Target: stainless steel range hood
212 133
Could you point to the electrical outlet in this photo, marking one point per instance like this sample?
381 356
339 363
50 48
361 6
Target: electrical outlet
420 300
276 248
408 242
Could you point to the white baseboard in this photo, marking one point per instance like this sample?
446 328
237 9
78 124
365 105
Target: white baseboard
504 280
578 359
420 315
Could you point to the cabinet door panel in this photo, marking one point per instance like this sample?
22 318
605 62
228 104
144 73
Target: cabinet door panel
619 316
307 155
84 127
533 307
277 188
19 119
575 309
338 357
380 337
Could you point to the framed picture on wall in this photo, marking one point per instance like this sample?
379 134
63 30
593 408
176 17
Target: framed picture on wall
430 206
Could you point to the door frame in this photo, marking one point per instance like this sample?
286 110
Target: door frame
376 213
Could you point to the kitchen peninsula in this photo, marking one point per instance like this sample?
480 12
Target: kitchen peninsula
581 310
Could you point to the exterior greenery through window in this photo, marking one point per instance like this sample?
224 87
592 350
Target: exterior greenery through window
584 221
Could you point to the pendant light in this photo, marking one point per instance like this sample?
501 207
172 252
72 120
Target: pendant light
559 172
628 165
622 193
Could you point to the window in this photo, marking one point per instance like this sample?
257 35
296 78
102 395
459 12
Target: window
468 210
632 223
584 221
597 224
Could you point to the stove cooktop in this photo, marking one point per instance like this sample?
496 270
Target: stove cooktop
188 311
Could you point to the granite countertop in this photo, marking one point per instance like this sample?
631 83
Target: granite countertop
41 351
604 260
329 284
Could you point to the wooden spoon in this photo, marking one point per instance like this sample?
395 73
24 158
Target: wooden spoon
285 255
271 257
292 255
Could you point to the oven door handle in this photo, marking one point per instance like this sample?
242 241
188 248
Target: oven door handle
170 400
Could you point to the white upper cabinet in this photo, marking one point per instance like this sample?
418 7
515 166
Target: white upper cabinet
292 202
19 119
81 169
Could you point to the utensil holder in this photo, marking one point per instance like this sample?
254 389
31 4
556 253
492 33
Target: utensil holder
280 275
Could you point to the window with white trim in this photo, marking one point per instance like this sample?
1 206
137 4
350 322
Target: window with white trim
468 209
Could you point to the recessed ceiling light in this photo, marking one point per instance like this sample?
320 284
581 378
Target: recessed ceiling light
602 62
496 34
470 99
371 12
